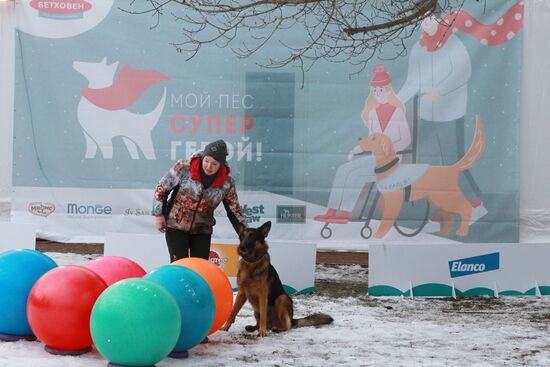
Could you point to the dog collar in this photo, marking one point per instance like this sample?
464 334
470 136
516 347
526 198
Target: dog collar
253 262
387 166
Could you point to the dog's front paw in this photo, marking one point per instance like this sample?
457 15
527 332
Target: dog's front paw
262 333
251 328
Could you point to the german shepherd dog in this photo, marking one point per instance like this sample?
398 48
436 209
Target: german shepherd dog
259 283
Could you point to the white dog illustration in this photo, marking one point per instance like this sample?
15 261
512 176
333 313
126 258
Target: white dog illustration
102 109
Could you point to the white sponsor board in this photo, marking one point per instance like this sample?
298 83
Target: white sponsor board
295 262
84 215
17 236
459 270
81 215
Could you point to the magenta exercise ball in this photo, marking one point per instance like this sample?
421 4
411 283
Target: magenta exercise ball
114 268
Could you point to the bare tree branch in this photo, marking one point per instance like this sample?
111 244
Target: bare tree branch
306 31
420 10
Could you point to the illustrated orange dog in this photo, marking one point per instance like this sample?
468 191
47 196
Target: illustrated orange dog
439 184
259 283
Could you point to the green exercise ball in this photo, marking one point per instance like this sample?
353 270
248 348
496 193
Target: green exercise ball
135 322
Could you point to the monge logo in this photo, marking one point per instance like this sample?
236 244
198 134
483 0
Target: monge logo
474 265
88 209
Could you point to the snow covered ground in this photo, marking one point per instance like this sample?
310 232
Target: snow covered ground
366 332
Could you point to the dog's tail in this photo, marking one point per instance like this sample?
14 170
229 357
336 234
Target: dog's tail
316 319
475 150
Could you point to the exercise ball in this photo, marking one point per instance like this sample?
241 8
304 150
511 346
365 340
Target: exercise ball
219 284
195 301
135 322
114 268
19 270
59 308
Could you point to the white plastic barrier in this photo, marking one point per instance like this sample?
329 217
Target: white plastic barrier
458 270
295 262
17 236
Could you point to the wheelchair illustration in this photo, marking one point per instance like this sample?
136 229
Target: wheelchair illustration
413 216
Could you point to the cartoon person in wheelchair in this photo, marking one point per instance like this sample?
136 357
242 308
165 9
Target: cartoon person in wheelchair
439 71
383 113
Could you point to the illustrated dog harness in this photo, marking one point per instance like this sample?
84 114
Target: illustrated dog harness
402 178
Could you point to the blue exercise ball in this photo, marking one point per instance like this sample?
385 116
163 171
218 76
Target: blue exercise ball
195 301
19 271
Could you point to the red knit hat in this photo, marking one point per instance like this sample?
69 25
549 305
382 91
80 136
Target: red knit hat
380 76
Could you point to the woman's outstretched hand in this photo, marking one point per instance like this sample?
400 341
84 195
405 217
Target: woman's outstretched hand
160 223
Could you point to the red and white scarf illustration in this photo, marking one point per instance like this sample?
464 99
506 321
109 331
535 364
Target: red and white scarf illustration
501 31
125 90
385 112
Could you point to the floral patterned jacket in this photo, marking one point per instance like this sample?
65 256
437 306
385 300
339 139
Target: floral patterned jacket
193 209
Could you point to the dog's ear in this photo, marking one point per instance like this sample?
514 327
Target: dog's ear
265 228
239 227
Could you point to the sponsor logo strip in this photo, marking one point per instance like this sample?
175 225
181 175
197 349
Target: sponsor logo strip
291 214
474 265
41 209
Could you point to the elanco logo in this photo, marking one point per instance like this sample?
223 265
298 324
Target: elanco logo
41 209
474 265
61 8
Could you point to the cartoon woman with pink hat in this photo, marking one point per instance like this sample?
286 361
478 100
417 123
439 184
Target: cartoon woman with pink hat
383 113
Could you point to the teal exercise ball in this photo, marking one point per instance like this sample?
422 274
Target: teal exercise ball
19 271
195 300
135 322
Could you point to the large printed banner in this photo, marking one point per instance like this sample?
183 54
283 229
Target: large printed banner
105 106
6 105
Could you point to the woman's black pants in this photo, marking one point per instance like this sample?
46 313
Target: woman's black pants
181 244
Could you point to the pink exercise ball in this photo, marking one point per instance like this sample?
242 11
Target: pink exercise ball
114 268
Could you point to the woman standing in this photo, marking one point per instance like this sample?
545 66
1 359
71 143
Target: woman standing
383 113
202 183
